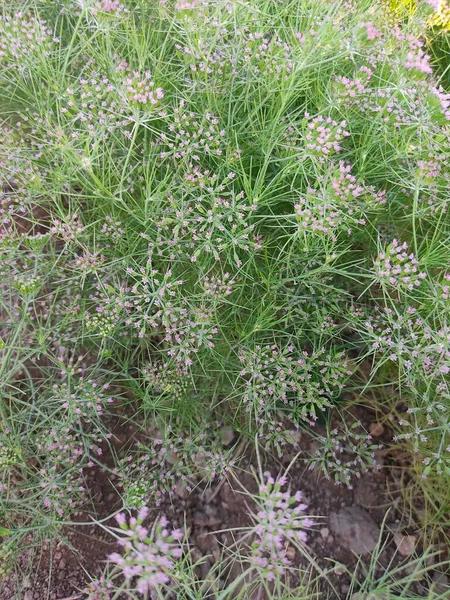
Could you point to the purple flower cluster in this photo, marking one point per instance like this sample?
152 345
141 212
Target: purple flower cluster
279 519
418 60
84 400
99 589
149 556
140 89
155 307
94 106
89 262
190 135
22 37
267 53
371 31
420 350
409 108
342 205
323 135
344 453
217 226
398 268
274 375
109 6
157 469
427 427
445 287
68 229
218 288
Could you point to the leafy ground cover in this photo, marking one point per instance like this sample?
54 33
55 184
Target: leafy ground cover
225 299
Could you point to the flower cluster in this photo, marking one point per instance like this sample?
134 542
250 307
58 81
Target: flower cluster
303 381
27 285
89 261
418 106
110 306
185 329
99 589
427 426
140 90
174 460
112 229
218 288
82 401
94 106
267 53
109 6
68 229
149 555
22 37
445 287
398 268
420 350
419 61
166 379
344 453
279 519
217 226
343 204
190 135
371 31
323 135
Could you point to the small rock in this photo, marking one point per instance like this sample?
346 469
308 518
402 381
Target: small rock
355 528
181 490
61 564
411 570
207 543
290 553
324 532
200 518
339 569
226 436
28 595
58 555
376 429
440 583
406 544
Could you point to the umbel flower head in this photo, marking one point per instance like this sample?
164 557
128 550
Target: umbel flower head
280 518
149 556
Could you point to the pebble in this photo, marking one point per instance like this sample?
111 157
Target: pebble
208 544
355 528
290 553
339 569
441 583
181 490
376 429
226 435
324 532
406 544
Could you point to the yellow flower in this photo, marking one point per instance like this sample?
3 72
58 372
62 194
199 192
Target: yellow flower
441 17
